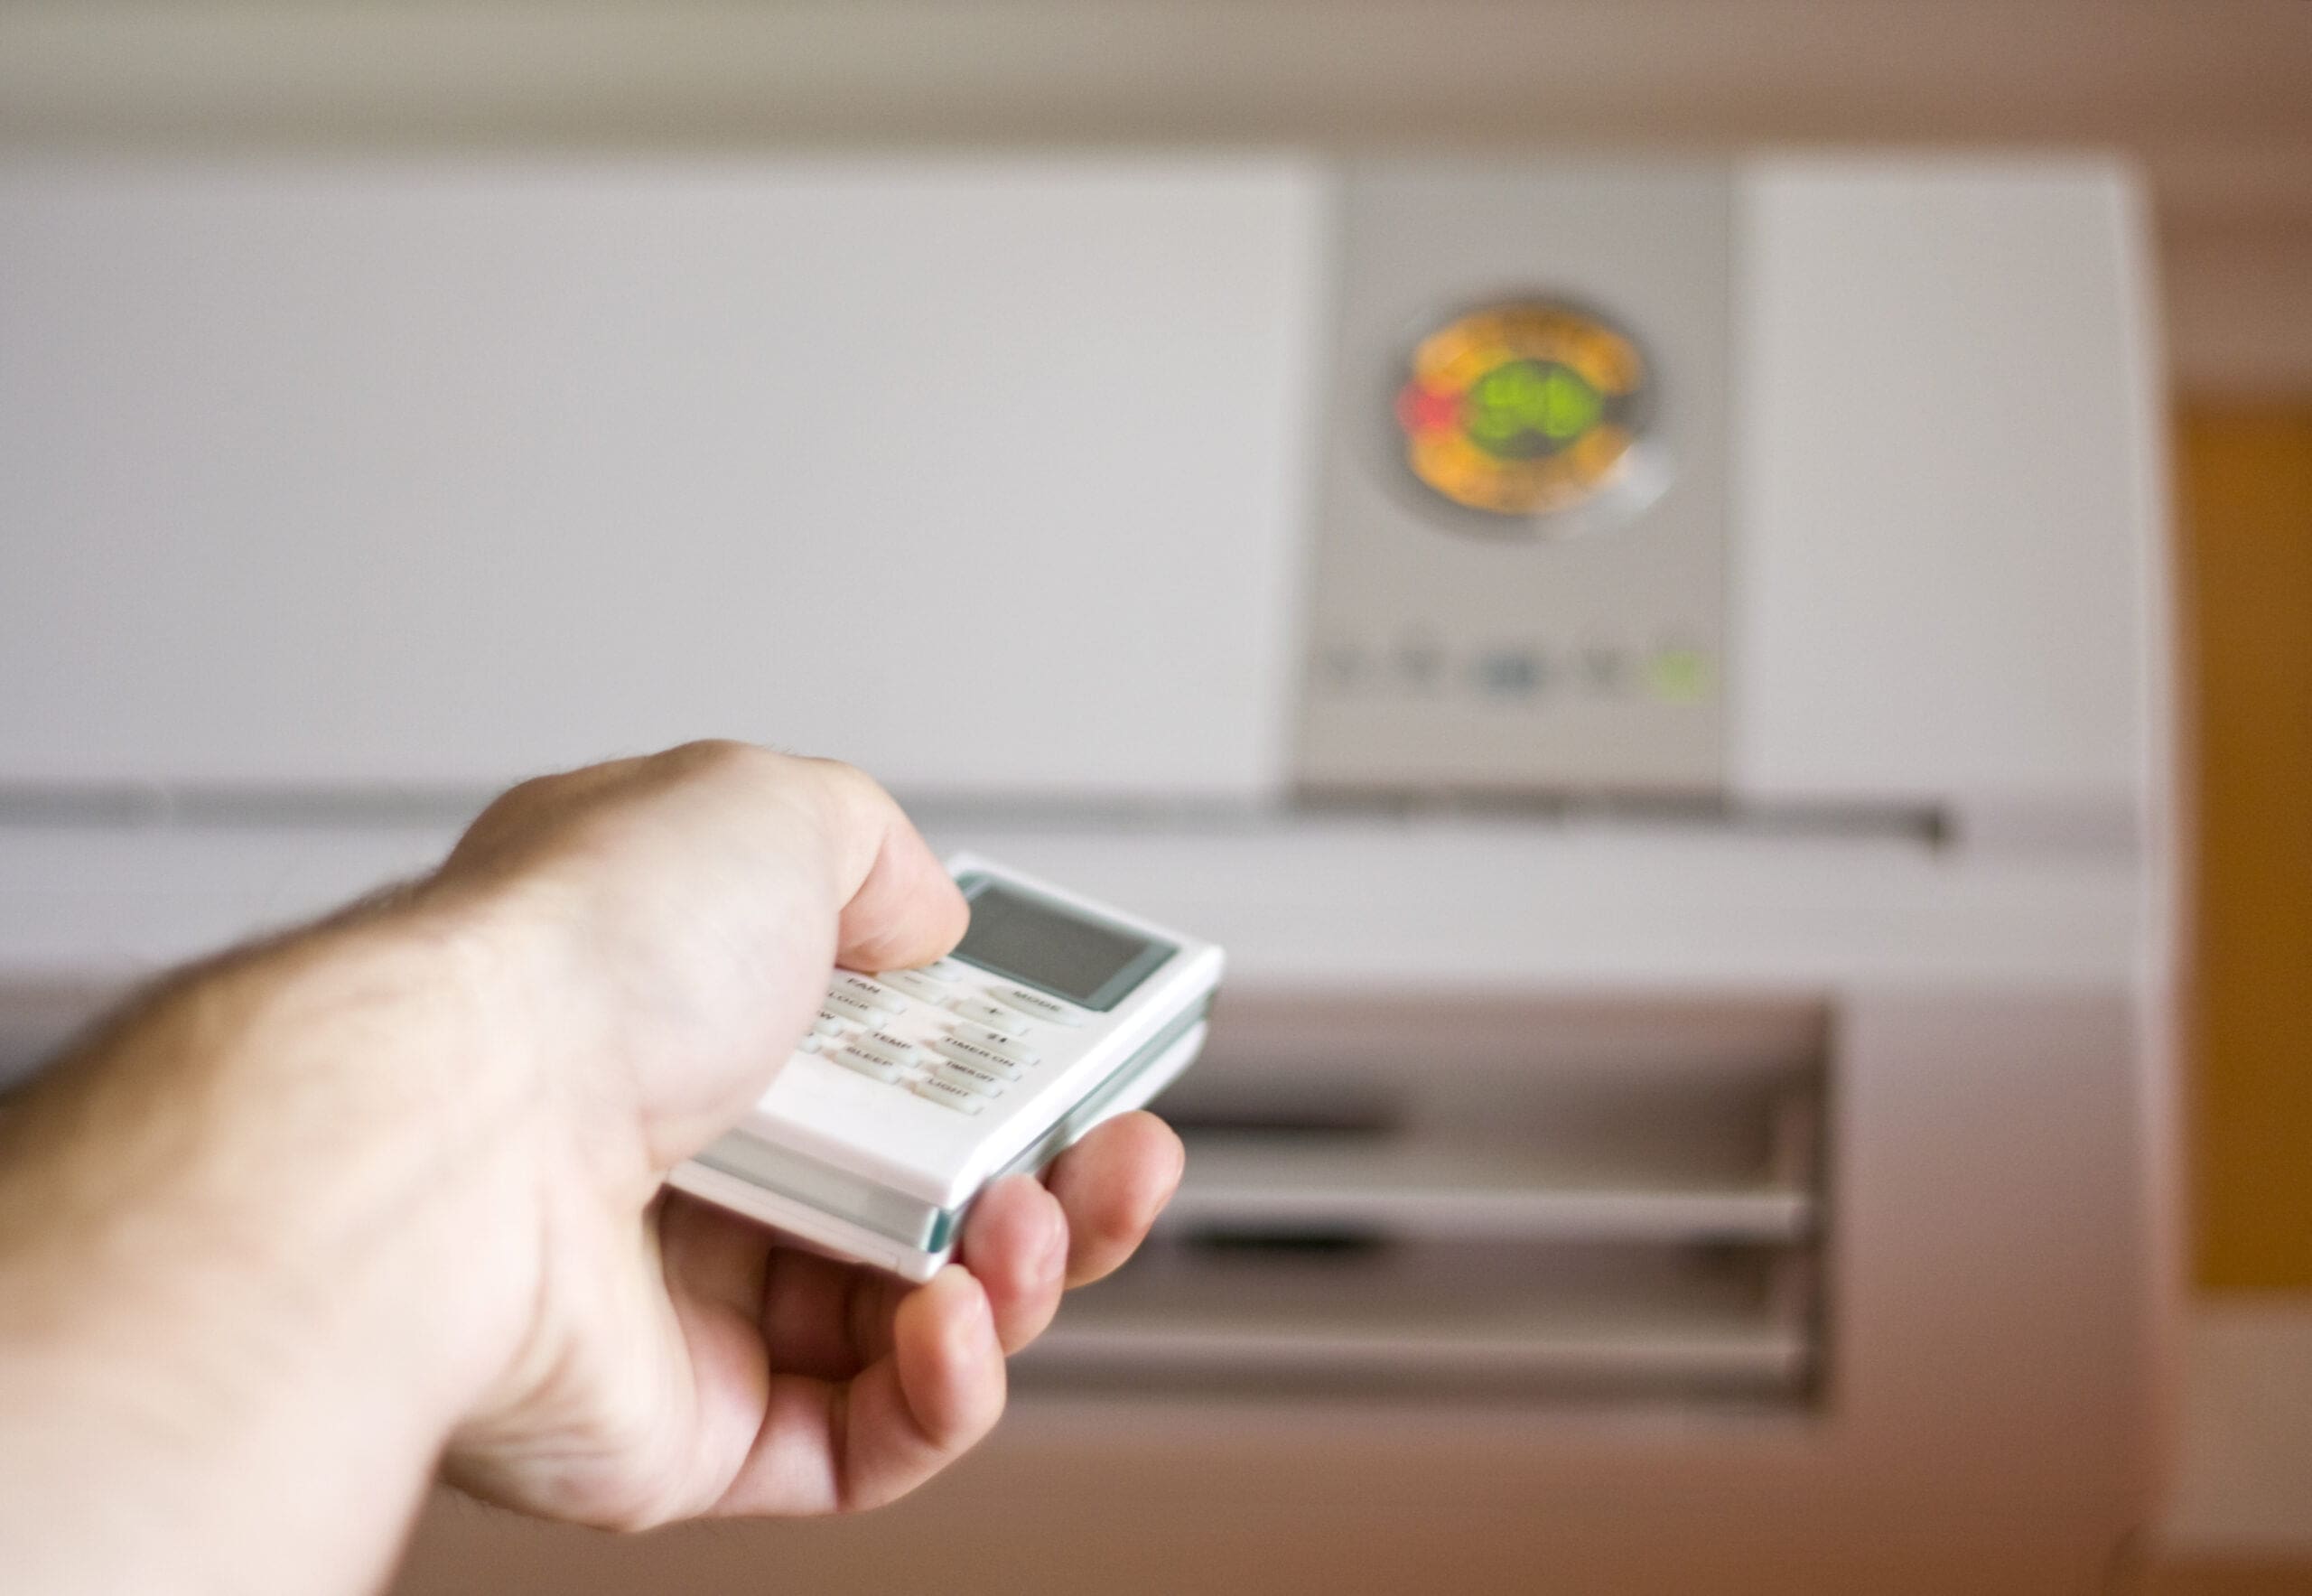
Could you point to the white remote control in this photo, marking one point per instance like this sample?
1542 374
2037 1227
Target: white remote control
917 1087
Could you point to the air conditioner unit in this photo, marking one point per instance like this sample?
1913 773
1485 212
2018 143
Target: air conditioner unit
1657 673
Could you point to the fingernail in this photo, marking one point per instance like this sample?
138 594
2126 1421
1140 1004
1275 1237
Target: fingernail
1054 1254
974 1329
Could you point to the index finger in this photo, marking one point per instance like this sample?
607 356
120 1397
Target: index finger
1112 1185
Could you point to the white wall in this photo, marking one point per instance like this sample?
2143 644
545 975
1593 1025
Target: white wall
2210 95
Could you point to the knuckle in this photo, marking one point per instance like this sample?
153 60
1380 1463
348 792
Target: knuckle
852 802
518 800
1115 1226
508 815
717 753
848 783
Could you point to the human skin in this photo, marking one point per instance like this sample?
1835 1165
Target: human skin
381 1197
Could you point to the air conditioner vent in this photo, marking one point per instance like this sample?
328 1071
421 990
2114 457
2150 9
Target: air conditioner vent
1527 1198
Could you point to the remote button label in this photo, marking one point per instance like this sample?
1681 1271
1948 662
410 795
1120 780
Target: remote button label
1036 1003
970 1079
948 1094
855 1057
916 985
872 993
994 1016
895 1050
997 1043
852 1009
982 1060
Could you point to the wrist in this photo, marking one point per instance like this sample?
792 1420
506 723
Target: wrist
289 1197
380 1095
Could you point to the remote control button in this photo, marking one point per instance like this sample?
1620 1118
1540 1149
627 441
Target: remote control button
854 1011
944 969
948 1094
977 1082
810 1043
872 992
996 1042
855 1057
916 984
994 1016
987 1059
828 1024
896 1050
1037 1004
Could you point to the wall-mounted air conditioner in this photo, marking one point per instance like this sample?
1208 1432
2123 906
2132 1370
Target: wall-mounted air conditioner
1656 671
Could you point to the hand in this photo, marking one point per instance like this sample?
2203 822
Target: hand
681 1361
387 1189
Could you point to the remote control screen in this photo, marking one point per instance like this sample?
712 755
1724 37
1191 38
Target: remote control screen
1053 948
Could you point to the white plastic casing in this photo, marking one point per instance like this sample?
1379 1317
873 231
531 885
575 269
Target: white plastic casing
951 422
994 477
821 1120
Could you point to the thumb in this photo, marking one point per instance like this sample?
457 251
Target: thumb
901 908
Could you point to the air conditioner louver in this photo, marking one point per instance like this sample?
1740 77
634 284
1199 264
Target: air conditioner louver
1594 1202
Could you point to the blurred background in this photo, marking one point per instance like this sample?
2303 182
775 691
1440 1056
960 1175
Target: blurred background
1766 870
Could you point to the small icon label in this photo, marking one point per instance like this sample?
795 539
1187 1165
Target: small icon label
1507 673
1679 676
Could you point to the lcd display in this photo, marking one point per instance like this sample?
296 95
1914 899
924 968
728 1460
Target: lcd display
1523 409
1055 949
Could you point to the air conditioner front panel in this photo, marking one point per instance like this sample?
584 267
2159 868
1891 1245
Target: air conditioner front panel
437 473
1078 480
1947 493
